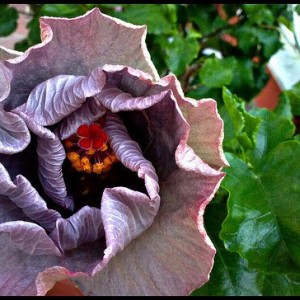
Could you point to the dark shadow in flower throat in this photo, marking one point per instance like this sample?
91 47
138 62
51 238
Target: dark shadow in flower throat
87 189
155 137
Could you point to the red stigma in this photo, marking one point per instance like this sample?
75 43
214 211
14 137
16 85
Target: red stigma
91 136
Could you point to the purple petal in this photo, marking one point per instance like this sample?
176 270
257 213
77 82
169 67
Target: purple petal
89 112
116 100
51 155
173 256
82 227
30 238
126 214
76 46
6 185
34 207
9 211
59 96
189 161
206 132
26 197
130 154
4 83
6 53
21 272
132 81
14 135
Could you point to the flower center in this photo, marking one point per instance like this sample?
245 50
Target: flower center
89 151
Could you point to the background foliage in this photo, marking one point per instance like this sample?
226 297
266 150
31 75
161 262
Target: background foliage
221 52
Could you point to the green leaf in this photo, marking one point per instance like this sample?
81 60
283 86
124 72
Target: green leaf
263 222
243 83
280 284
151 15
217 72
244 125
284 108
63 10
180 52
293 96
8 19
231 275
275 128
206 92
206 17
252 38
258 13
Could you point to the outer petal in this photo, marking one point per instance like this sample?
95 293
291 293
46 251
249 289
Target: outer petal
4 72
66 43
14 135
19 270
30 238
206 133
155 263
82 227
51 155
6 53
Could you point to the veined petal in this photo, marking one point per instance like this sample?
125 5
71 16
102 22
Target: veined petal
89 112
59 96
5 54
30 238
51 155
206 132
34 207
19 270
14 135
82 227
66 43
126 214
183 264
130 154
26 197
116 100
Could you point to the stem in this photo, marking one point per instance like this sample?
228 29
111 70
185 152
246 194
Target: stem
185 79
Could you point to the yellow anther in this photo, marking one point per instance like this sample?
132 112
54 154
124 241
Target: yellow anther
76 164
97 168
73 156
78 169
90 151
113 158
85 160
87 168
106 164
103 147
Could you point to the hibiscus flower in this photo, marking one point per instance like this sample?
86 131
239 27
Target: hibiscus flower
105 168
